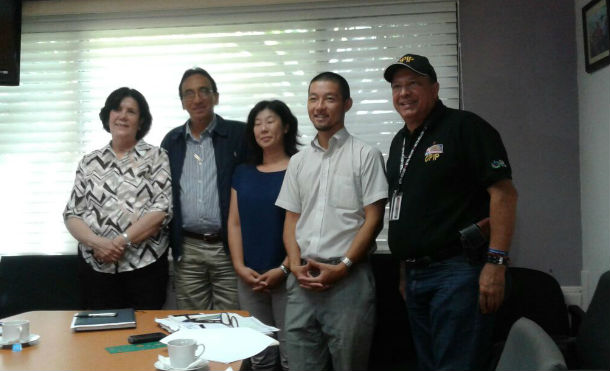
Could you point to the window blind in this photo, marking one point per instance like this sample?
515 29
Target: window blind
71 63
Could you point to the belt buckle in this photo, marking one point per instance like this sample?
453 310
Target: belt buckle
210 237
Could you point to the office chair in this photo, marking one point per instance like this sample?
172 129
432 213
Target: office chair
536 295
38 282
531 294
529 347
591 348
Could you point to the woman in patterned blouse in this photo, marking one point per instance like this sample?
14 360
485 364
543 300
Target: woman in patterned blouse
118 211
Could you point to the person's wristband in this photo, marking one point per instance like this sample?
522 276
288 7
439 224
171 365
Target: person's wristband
497 252
284 269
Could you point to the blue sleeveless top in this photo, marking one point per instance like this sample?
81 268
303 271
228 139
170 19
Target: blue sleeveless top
262 223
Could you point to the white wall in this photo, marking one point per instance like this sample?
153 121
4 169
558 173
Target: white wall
594 132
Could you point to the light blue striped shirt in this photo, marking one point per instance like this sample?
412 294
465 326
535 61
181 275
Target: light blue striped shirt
198 184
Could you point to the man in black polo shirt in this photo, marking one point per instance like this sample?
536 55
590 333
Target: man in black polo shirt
447 169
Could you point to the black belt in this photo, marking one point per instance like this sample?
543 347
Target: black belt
450 251
205 237
331 261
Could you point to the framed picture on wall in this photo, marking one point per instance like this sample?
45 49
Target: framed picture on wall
595 31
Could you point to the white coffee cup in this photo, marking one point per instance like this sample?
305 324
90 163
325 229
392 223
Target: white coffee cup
183 352
15 331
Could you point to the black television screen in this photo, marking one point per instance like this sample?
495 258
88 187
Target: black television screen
10 41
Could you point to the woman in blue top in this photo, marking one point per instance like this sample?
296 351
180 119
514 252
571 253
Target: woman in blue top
256 224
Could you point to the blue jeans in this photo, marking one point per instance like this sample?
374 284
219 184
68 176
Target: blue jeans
448 328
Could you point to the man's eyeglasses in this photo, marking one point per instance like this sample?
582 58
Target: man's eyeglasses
223 318
204 92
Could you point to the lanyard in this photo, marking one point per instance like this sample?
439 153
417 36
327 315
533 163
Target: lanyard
404 162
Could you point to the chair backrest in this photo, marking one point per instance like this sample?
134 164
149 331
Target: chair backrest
593 339
529 347
535 295
39 282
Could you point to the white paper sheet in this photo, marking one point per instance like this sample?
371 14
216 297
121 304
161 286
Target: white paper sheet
175 323
226 344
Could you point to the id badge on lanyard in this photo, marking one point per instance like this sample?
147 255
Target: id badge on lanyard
396 201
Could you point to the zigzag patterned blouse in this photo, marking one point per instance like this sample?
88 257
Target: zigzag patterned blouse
110 194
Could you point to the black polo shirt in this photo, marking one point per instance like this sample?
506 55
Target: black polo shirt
445 185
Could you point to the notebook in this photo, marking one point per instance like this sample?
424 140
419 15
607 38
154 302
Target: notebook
91 320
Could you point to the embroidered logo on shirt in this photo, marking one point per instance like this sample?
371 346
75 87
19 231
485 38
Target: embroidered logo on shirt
433 152
496 164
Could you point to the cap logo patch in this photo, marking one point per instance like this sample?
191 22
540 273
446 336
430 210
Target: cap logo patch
406 59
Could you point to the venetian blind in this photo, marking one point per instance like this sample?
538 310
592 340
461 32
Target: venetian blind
71 63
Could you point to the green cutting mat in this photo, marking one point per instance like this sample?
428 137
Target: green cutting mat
135 347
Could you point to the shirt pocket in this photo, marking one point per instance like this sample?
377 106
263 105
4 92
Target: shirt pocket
344 192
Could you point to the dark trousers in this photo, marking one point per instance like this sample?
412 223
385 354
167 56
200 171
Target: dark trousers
449 330
143 288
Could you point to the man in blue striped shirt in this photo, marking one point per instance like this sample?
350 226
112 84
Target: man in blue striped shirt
203 154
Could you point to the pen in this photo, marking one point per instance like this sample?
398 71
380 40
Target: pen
91 315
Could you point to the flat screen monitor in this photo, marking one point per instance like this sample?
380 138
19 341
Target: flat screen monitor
10 41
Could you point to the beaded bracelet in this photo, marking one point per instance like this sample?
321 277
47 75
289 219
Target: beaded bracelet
498 252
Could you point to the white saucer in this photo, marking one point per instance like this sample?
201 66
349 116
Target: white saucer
32 339
163 367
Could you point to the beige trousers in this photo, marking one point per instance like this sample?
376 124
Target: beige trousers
205 279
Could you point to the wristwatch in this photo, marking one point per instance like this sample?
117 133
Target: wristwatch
348 263
284 269
126 237
498 259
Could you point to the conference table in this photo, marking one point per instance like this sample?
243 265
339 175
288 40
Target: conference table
59 348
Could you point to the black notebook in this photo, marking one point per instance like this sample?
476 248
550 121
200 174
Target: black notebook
91 320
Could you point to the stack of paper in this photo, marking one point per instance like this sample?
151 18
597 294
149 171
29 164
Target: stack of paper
176 323
226 344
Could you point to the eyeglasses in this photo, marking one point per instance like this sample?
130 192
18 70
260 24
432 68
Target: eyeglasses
203 92
223 318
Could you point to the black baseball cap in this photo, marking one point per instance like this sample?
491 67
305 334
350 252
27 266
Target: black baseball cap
415 63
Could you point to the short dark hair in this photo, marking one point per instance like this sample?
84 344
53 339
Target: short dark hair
335 77
196 71
113 102
255 153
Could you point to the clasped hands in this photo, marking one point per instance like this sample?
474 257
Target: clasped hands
260 282
316 276
110 251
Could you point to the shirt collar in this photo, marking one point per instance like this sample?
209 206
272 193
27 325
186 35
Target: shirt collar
208 131
137 151
336 140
